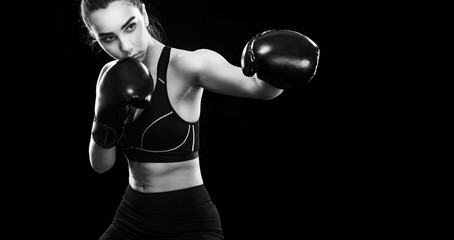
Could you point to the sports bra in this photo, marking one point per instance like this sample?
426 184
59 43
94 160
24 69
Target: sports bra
159 134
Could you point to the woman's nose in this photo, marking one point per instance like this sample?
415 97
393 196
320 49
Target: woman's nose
125 46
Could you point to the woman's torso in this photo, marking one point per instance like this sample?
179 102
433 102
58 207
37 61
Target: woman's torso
185 100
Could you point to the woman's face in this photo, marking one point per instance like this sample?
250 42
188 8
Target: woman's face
120 30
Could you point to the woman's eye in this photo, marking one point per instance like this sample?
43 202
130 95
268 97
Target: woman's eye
108 38
132 26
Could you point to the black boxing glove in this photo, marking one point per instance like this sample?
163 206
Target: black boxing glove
127 83
283 58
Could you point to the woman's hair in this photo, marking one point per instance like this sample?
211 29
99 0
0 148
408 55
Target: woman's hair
88 6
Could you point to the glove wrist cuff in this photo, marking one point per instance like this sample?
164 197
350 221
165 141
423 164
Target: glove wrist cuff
105 135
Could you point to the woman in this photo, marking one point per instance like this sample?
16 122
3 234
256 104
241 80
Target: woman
166 197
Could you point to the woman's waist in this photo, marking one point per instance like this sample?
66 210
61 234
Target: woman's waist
162 177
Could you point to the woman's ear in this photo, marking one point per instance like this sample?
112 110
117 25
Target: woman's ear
145 15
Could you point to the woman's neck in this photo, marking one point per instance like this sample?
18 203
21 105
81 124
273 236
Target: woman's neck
153 52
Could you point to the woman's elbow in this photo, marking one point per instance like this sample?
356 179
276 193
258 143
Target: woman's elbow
101 166
101 160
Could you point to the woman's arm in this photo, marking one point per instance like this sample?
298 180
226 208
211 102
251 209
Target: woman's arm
214 73
101 159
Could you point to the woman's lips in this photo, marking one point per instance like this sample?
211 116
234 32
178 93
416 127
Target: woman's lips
137 55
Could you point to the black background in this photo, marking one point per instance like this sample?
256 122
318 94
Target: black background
310 162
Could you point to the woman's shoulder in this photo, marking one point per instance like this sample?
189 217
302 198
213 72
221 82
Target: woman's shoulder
198 54
192 60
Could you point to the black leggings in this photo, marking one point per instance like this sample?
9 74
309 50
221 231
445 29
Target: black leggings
186 214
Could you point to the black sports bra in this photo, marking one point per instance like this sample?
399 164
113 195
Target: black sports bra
159 134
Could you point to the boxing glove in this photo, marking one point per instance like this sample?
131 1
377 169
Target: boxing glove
127 83
283 58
